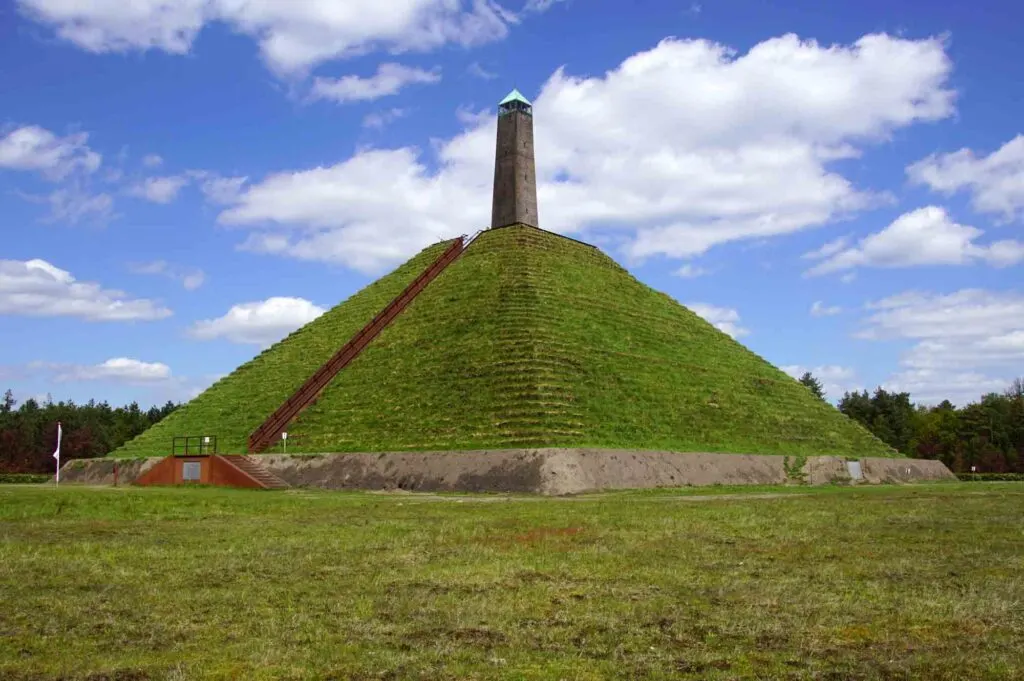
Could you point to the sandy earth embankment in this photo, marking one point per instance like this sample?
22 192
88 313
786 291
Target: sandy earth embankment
546 471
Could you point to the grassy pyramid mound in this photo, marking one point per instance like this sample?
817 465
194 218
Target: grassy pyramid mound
528 340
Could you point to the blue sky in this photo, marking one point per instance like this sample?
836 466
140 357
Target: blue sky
183 182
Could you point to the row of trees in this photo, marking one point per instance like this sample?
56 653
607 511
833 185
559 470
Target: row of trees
28 433
987 435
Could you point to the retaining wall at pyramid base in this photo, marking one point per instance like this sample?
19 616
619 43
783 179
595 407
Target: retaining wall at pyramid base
548 471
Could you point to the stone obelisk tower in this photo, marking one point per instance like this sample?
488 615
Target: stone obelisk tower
515 174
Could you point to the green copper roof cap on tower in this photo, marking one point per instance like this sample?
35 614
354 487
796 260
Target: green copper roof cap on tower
513 102
515 95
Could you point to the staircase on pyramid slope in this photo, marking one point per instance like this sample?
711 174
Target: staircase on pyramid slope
271 429
241 401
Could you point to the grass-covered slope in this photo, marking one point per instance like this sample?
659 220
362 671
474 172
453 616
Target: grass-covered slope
531 339
237 404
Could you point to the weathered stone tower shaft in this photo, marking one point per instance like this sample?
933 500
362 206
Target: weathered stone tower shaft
515 174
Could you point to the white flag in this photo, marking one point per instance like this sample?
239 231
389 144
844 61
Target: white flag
56 454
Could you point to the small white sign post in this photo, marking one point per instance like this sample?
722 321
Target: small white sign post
284 442
206 445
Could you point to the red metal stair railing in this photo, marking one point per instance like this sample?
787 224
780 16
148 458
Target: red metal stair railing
271 429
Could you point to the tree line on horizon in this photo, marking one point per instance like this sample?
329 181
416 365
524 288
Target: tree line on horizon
986 436
28 433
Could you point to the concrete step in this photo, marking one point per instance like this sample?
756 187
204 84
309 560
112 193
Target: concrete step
256 470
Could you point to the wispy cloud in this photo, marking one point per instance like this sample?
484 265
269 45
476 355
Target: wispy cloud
190 278
378 120
820 309
538 6
689 271
159 189
117 370
389 80
475 69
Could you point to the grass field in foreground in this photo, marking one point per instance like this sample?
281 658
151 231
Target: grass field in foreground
917 582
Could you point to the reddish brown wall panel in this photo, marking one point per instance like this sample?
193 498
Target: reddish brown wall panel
160 474
213 470
170 471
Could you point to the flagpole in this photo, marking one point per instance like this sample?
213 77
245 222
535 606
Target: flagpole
56 454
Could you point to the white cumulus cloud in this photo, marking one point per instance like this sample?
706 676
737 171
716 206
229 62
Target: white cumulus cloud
926 236
345 217
39 289
37 149
293 35
995 182
261 323
678 149
965 343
